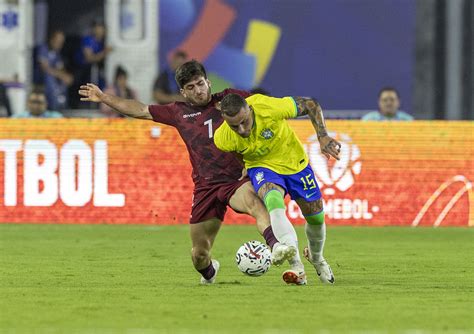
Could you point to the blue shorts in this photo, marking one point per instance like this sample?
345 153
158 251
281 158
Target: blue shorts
300 185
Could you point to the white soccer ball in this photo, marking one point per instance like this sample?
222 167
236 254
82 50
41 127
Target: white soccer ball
253 258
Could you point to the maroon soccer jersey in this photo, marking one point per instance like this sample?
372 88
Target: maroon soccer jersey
196 125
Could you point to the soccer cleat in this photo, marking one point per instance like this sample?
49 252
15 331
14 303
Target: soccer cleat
324 272
323 269
282 253
216 266
297 277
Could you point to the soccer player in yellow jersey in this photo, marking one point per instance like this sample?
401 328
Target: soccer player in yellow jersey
277 164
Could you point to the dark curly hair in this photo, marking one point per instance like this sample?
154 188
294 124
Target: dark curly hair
186 72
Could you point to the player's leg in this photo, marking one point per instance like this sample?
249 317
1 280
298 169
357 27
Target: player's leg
245 200
207 214
203 235
273 196
315 229
270 188
304 189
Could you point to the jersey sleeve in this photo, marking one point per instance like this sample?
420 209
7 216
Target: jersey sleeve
164 114
242 93
227 91
281 108
223 139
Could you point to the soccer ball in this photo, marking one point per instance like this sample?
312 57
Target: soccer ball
253 258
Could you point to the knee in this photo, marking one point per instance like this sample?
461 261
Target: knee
318 205
316 213
254 207
274 199
199 255
311 208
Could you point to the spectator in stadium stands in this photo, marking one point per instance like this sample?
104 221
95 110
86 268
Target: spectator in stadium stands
5 108
121 89
389 102
92 55
37 104
52 73
165 89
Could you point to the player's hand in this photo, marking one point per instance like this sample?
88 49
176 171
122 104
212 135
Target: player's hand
91 93
330 147
244 174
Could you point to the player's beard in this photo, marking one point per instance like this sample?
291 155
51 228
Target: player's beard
202 100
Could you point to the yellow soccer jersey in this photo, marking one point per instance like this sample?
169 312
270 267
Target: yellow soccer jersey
272 143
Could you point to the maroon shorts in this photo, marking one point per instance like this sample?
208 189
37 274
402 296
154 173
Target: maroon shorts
211 201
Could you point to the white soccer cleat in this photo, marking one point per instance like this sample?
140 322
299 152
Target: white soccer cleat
323 269
216 266
282 253
292 276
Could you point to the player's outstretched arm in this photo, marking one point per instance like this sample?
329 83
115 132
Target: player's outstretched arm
308 106
131 108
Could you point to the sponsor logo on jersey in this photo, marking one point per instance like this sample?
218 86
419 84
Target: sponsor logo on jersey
192 115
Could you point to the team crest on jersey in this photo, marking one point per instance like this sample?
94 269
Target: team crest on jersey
259 177
266 133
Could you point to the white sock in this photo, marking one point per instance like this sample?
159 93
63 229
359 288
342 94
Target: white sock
316 235
285 233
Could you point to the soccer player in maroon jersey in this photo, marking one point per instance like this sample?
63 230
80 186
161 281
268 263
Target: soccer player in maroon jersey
218 176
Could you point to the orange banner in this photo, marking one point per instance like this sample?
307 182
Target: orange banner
128 171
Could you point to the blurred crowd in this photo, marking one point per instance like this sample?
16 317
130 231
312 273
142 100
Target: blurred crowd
58 72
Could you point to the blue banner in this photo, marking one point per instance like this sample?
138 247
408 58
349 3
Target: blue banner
338 51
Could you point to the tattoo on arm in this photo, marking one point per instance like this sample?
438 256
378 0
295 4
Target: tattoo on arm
311 107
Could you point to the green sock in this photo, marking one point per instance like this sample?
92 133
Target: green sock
316 233
316 219
274 200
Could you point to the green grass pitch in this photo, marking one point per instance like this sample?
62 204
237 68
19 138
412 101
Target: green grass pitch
139 279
